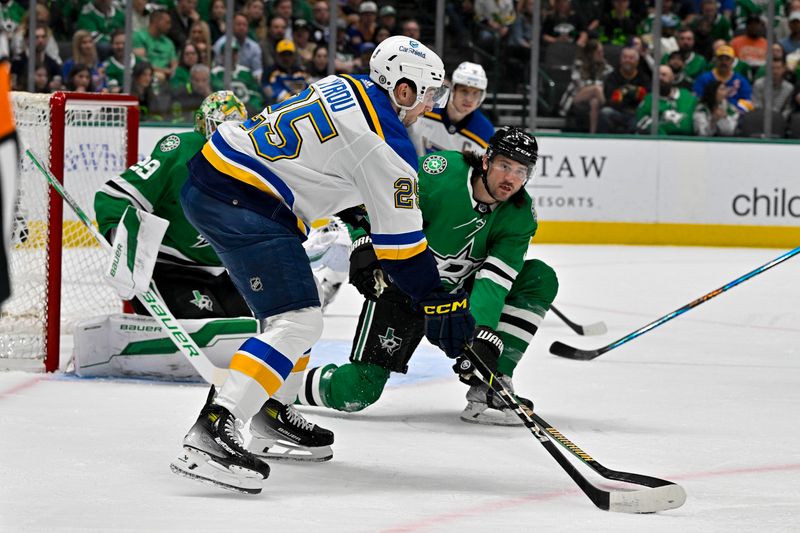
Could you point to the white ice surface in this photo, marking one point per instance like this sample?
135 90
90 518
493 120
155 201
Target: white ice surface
710 400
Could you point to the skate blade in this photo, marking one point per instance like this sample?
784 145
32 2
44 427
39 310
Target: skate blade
201 467
491 417
280 450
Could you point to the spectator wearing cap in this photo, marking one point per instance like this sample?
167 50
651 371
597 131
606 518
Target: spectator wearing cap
301 35
286 77
738 66
364 54
739 90
276 32
249 50
791 42
367 21
751 47
387 17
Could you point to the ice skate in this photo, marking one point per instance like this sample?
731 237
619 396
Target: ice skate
213 453
485 407
280 432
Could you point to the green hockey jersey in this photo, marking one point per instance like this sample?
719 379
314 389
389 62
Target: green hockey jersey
491 244
467 238
154 185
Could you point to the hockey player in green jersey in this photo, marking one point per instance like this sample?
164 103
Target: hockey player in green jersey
188 274
478 220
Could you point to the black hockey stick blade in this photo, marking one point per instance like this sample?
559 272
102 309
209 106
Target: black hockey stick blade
564 350
598 328
658 494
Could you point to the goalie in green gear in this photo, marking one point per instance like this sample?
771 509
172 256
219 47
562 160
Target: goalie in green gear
478 221
188 274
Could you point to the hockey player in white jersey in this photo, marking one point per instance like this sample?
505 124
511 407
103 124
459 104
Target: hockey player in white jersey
252 191
460 125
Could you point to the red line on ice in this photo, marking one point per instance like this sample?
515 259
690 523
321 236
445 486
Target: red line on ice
437 520
20 386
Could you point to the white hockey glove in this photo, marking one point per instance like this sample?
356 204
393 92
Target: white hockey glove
135 246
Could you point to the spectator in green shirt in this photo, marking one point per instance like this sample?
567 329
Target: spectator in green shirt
675 107
154 46
693 64
100 18
113 69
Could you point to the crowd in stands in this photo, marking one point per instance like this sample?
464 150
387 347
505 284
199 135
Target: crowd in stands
598 53
178 47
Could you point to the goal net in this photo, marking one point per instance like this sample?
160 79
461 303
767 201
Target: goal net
56 267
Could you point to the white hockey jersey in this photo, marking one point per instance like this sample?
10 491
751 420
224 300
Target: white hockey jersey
335 145
434 132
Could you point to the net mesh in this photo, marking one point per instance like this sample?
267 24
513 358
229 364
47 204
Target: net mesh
95 137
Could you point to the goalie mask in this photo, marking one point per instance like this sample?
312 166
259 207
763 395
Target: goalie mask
218 107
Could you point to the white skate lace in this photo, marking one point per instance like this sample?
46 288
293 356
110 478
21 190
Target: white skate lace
297 420
233 427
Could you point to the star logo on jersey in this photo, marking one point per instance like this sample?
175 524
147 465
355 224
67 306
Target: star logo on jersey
434 164
170 143
389 342
202 301
454 268
201 242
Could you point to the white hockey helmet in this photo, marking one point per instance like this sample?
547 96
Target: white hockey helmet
403 58
471 75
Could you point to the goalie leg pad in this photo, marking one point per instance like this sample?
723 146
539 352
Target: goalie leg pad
194 293
388 332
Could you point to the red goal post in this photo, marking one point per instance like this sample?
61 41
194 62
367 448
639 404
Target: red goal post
56 266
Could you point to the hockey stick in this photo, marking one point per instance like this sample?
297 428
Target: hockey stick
598 328
150 299
660 495
563 350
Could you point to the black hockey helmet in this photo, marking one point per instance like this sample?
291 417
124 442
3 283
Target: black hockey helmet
515 144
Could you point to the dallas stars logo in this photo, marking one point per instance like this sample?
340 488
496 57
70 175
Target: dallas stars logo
389 342
202 301
170 143
434 164
454 268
